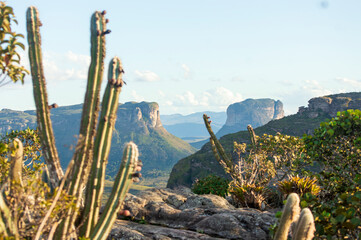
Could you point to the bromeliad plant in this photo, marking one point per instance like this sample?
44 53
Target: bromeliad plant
87 168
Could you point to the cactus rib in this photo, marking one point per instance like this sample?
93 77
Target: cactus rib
41 99
121 186
102 143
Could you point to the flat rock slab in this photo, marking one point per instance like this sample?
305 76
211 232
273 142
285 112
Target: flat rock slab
128 230
181 214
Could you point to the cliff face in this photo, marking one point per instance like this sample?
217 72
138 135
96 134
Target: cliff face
139 116
256 112
331 104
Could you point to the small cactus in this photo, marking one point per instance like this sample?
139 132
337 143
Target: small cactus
304 224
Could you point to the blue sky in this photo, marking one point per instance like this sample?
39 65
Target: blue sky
200 55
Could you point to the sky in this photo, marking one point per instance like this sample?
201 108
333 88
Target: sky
199 55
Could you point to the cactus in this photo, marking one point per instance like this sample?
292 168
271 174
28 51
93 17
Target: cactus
304 223
16 160
121 186
41 99
305 227
102 145
290 213
90 157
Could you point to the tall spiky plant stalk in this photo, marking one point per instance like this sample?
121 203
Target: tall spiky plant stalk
91 157
84 156
217 147
103 139
41 98
122 183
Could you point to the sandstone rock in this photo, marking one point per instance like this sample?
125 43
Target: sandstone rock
331 104
184 215
256 112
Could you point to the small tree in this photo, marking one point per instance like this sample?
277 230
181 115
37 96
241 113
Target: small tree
10 68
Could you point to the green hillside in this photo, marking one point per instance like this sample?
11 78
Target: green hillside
203 163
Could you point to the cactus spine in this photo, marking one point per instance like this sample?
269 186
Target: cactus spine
304 228
41 98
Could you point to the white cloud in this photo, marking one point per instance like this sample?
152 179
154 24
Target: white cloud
186 70
146 76
218 98
78 58
315 88
136 97
65 66
352 82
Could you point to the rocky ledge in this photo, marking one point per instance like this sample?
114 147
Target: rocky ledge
181 214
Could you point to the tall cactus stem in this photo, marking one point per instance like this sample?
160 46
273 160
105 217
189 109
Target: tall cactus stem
305 227
290 213
252 136
218 145
83 156
121 186
41 98
102 144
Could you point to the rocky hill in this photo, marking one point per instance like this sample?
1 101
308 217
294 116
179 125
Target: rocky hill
138 122
256 112
203 163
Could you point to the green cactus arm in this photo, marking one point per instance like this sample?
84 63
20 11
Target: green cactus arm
305 227
41 99
290 213
122 183
8 226
252 136
214 150
16 161
95 186
83 156
218 145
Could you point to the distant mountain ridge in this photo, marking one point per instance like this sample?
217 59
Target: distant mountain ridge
203 163
138 122
191 126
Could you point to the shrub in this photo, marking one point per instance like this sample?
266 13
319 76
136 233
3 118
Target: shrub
211 185
336 144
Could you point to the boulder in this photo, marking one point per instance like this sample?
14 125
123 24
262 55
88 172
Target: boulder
181 214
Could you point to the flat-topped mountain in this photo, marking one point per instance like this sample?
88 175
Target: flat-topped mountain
203 163
256 112
137 122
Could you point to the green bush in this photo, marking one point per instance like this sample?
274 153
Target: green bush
211 185
336 144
